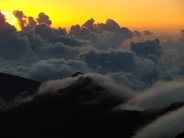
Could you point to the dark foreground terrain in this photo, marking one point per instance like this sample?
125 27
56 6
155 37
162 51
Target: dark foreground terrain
83 109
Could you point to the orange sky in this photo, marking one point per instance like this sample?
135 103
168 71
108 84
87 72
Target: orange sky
163 15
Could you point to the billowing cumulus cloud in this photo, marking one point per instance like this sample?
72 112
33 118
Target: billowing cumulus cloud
13 46
21 17
43 18
147 32
147 48
91 26
31 21
110 25
169 44
56 35
111 60
102 36
45 70
137 33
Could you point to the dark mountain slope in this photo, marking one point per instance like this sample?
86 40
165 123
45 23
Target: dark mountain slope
84 109
12 86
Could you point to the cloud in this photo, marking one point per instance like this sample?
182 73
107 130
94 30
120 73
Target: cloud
168 45
105 61
180 42
147 32
110 25
161 94
182 33
55 85
91 26
130 80
31 21
50 69
145 48
137 33
96 47
92 90
21 17
102 36
59 50
56 35
19 46
167 126
81 33
43 18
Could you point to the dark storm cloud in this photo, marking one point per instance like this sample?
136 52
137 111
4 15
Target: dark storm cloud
137 33
148 47
43 18
147 32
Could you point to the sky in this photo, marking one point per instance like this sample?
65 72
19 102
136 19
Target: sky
155 15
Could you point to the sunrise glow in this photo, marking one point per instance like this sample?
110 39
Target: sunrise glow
10 18
156 15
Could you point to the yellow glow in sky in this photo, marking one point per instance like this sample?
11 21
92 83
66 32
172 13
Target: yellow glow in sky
135 14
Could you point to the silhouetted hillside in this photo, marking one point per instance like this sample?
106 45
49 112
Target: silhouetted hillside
12 86
83 109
